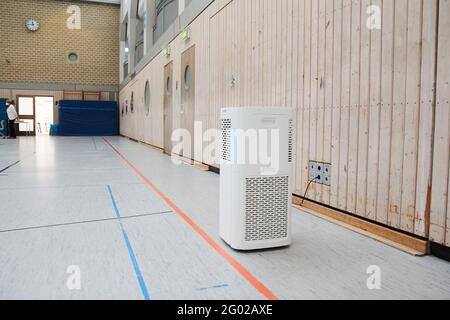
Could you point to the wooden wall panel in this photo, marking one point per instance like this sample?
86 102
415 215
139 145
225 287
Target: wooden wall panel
328 90
352 177
386 109
313 84
306 132
363 122
73 95
440 214
426 122
345 103
413 62
301 168
398 116
336 104
321 65
363 98
374 118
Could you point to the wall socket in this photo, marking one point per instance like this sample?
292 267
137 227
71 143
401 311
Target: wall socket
321 171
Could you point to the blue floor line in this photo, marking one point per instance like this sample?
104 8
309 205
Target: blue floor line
220 286
137 270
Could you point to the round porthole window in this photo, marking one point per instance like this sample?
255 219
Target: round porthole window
73 57
132 103
169 86
187 77
147 98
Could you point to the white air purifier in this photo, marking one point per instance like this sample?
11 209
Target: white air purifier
256 196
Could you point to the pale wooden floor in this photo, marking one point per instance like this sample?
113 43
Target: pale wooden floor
56 211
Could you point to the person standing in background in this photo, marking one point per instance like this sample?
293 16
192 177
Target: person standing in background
12 117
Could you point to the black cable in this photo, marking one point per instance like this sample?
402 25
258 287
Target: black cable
307 187
11 165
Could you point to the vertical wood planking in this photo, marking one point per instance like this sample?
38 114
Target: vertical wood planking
302 167
314 89
279 53
336 106
246 45
361 187
321 89
228 57
428 87
386 111
284 53
266 34
289 54
328 84
268 39
398 115
307 92
408 206
254 53
354 106
441 163
259 47
374 116
294 90
273 53
213 71
241 47
345 104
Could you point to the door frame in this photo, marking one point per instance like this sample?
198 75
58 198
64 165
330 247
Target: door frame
185 121
53 109
26 117
167 114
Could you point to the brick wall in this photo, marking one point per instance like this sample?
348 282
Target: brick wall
41 57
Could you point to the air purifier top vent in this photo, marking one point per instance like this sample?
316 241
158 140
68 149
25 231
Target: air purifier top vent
290 140
226 139
267 208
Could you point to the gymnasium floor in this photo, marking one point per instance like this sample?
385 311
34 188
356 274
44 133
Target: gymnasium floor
78 202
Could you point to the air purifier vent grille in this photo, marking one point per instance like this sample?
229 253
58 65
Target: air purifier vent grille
226 139
267 207
290 139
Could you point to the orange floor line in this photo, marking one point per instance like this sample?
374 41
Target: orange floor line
258 285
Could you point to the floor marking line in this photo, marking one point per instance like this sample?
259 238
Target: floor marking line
220 286
137 270
10 166
70 186
233 262
85 222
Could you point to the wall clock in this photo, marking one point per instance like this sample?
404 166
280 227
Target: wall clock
32 25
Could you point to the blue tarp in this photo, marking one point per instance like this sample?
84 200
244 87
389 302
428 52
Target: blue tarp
88 118
3 119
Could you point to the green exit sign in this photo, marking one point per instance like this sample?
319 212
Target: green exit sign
166 51
185 34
